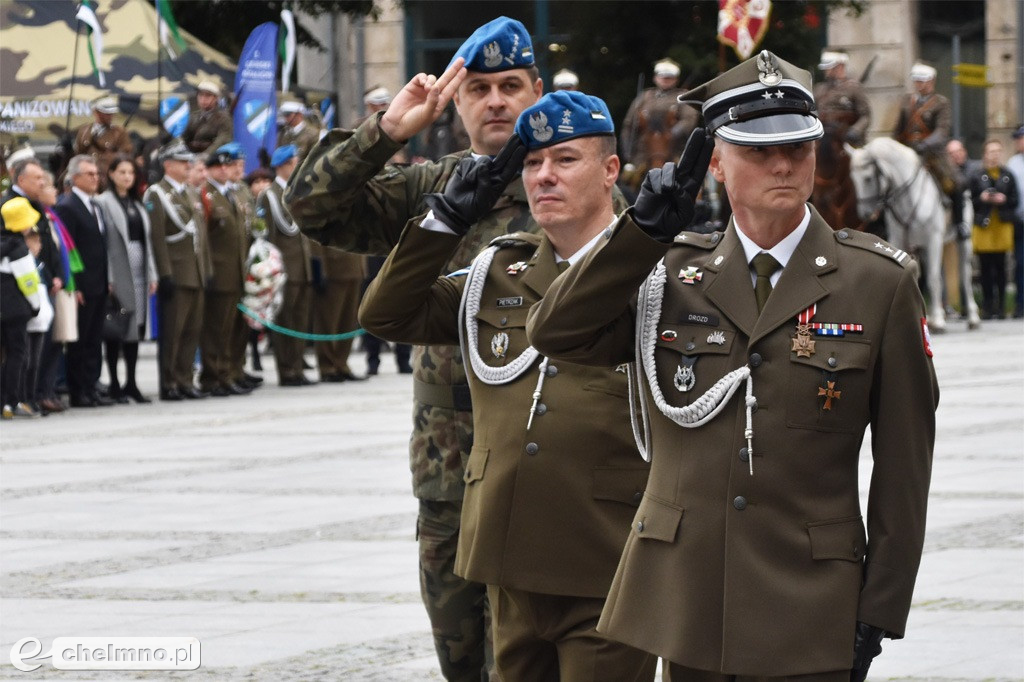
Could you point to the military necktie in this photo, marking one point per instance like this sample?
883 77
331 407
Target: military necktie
562 265
764 266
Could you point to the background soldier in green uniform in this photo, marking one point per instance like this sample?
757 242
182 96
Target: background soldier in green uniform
337 280
924 125
101 138
841 101
554 473
296 130
345 195
210 126
183 263
296 310
748 558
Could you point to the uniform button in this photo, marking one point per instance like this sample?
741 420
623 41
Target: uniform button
832 362
843 234
639 526
532 448
691 345
504 320
542 408
552 370
740 502
715 237
755 359
744 454
637 498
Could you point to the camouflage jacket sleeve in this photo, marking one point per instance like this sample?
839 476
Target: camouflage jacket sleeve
346 195
407 302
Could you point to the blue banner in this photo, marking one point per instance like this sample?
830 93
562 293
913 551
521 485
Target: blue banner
174 114
255 94
327 111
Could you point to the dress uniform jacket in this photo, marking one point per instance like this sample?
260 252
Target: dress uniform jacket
546 509
656 113
208 130
764 574
842 103
104 143
228 240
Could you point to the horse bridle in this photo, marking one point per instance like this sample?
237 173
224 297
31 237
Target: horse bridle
884 200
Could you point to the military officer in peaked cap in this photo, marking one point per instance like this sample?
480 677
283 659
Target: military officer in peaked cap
182 255
763 354
345 194
553 474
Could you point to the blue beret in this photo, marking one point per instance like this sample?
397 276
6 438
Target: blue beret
233 149
563 115
498 45
282 154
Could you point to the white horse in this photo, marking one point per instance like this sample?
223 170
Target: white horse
889 177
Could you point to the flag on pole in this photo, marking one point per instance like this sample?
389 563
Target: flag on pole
742 24
169 29
287 47
87 15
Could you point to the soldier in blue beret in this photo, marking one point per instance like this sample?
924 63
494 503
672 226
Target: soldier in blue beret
347 194
553 478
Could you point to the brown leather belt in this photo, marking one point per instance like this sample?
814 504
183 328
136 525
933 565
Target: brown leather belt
447 397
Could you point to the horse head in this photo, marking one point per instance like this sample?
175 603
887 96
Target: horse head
868 181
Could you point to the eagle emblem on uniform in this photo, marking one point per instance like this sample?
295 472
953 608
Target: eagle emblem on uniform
684 379
492 54
499 344
542 132
768 70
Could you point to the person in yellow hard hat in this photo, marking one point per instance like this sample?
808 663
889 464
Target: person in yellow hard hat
16 306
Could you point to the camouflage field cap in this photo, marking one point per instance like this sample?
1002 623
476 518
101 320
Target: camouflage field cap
281 155
763 101
563 115
499 45
565 80
105 105
175 150
667 67
18 214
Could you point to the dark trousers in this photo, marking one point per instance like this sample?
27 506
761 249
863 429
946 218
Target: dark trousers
294 314
222 340
14 340
85 356
993 283
372 346
49 365
335 311
181 323
678 673
1018 263
36 341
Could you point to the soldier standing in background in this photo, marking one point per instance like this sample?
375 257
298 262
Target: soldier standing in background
296 130
182 256
924 125
345 194
210 126
565 80
842 104
101 138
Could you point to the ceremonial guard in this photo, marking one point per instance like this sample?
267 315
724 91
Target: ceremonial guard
842 105
210 126
101 138
182 256
296 131
553 474
924 125
762 355
656 125
296 310
225 332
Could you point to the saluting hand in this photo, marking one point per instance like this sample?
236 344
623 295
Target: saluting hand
475 185
665 204
421 102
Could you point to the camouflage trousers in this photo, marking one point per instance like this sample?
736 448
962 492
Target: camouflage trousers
459 614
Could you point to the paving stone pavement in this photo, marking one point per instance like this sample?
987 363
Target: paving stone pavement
277 528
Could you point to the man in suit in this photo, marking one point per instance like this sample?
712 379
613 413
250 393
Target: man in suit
296 130
748 558
101 138
224 335
296 310
210 126
554 473
183 263
29 181
84 222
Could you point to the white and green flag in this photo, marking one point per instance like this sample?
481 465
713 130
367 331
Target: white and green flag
87 15
287 47
169 29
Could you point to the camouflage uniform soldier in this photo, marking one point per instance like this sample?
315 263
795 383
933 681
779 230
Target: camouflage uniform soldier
344 195
924 125
842 105
102 139
211 126
296 130
657 124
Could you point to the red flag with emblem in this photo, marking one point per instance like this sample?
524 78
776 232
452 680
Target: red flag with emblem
742 24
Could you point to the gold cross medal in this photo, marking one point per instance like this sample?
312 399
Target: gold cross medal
830 393
803 342
499 344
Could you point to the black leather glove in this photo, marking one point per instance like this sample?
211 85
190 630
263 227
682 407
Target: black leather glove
165 287
665 204
475 185
854 137
867 644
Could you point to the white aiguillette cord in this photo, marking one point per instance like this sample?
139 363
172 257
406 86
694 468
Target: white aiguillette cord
704 408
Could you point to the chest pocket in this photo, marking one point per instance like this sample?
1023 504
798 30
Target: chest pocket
690 359
502 333
830 389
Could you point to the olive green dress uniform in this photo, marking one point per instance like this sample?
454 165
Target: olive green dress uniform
247 207
843 104
185 257
764 574
296 309
656 113
103 143
304 138
924 124
224 331
207 130
547 508
336 307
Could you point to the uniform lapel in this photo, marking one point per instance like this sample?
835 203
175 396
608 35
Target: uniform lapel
730 288
542 271
800 286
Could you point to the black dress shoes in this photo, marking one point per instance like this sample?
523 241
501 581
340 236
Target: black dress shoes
194 393
171 394
348 375
102 401
82 400
219 392
135 394
296 381
238 389
252 379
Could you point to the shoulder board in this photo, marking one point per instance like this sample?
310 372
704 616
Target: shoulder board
516 239
874 244
699 240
